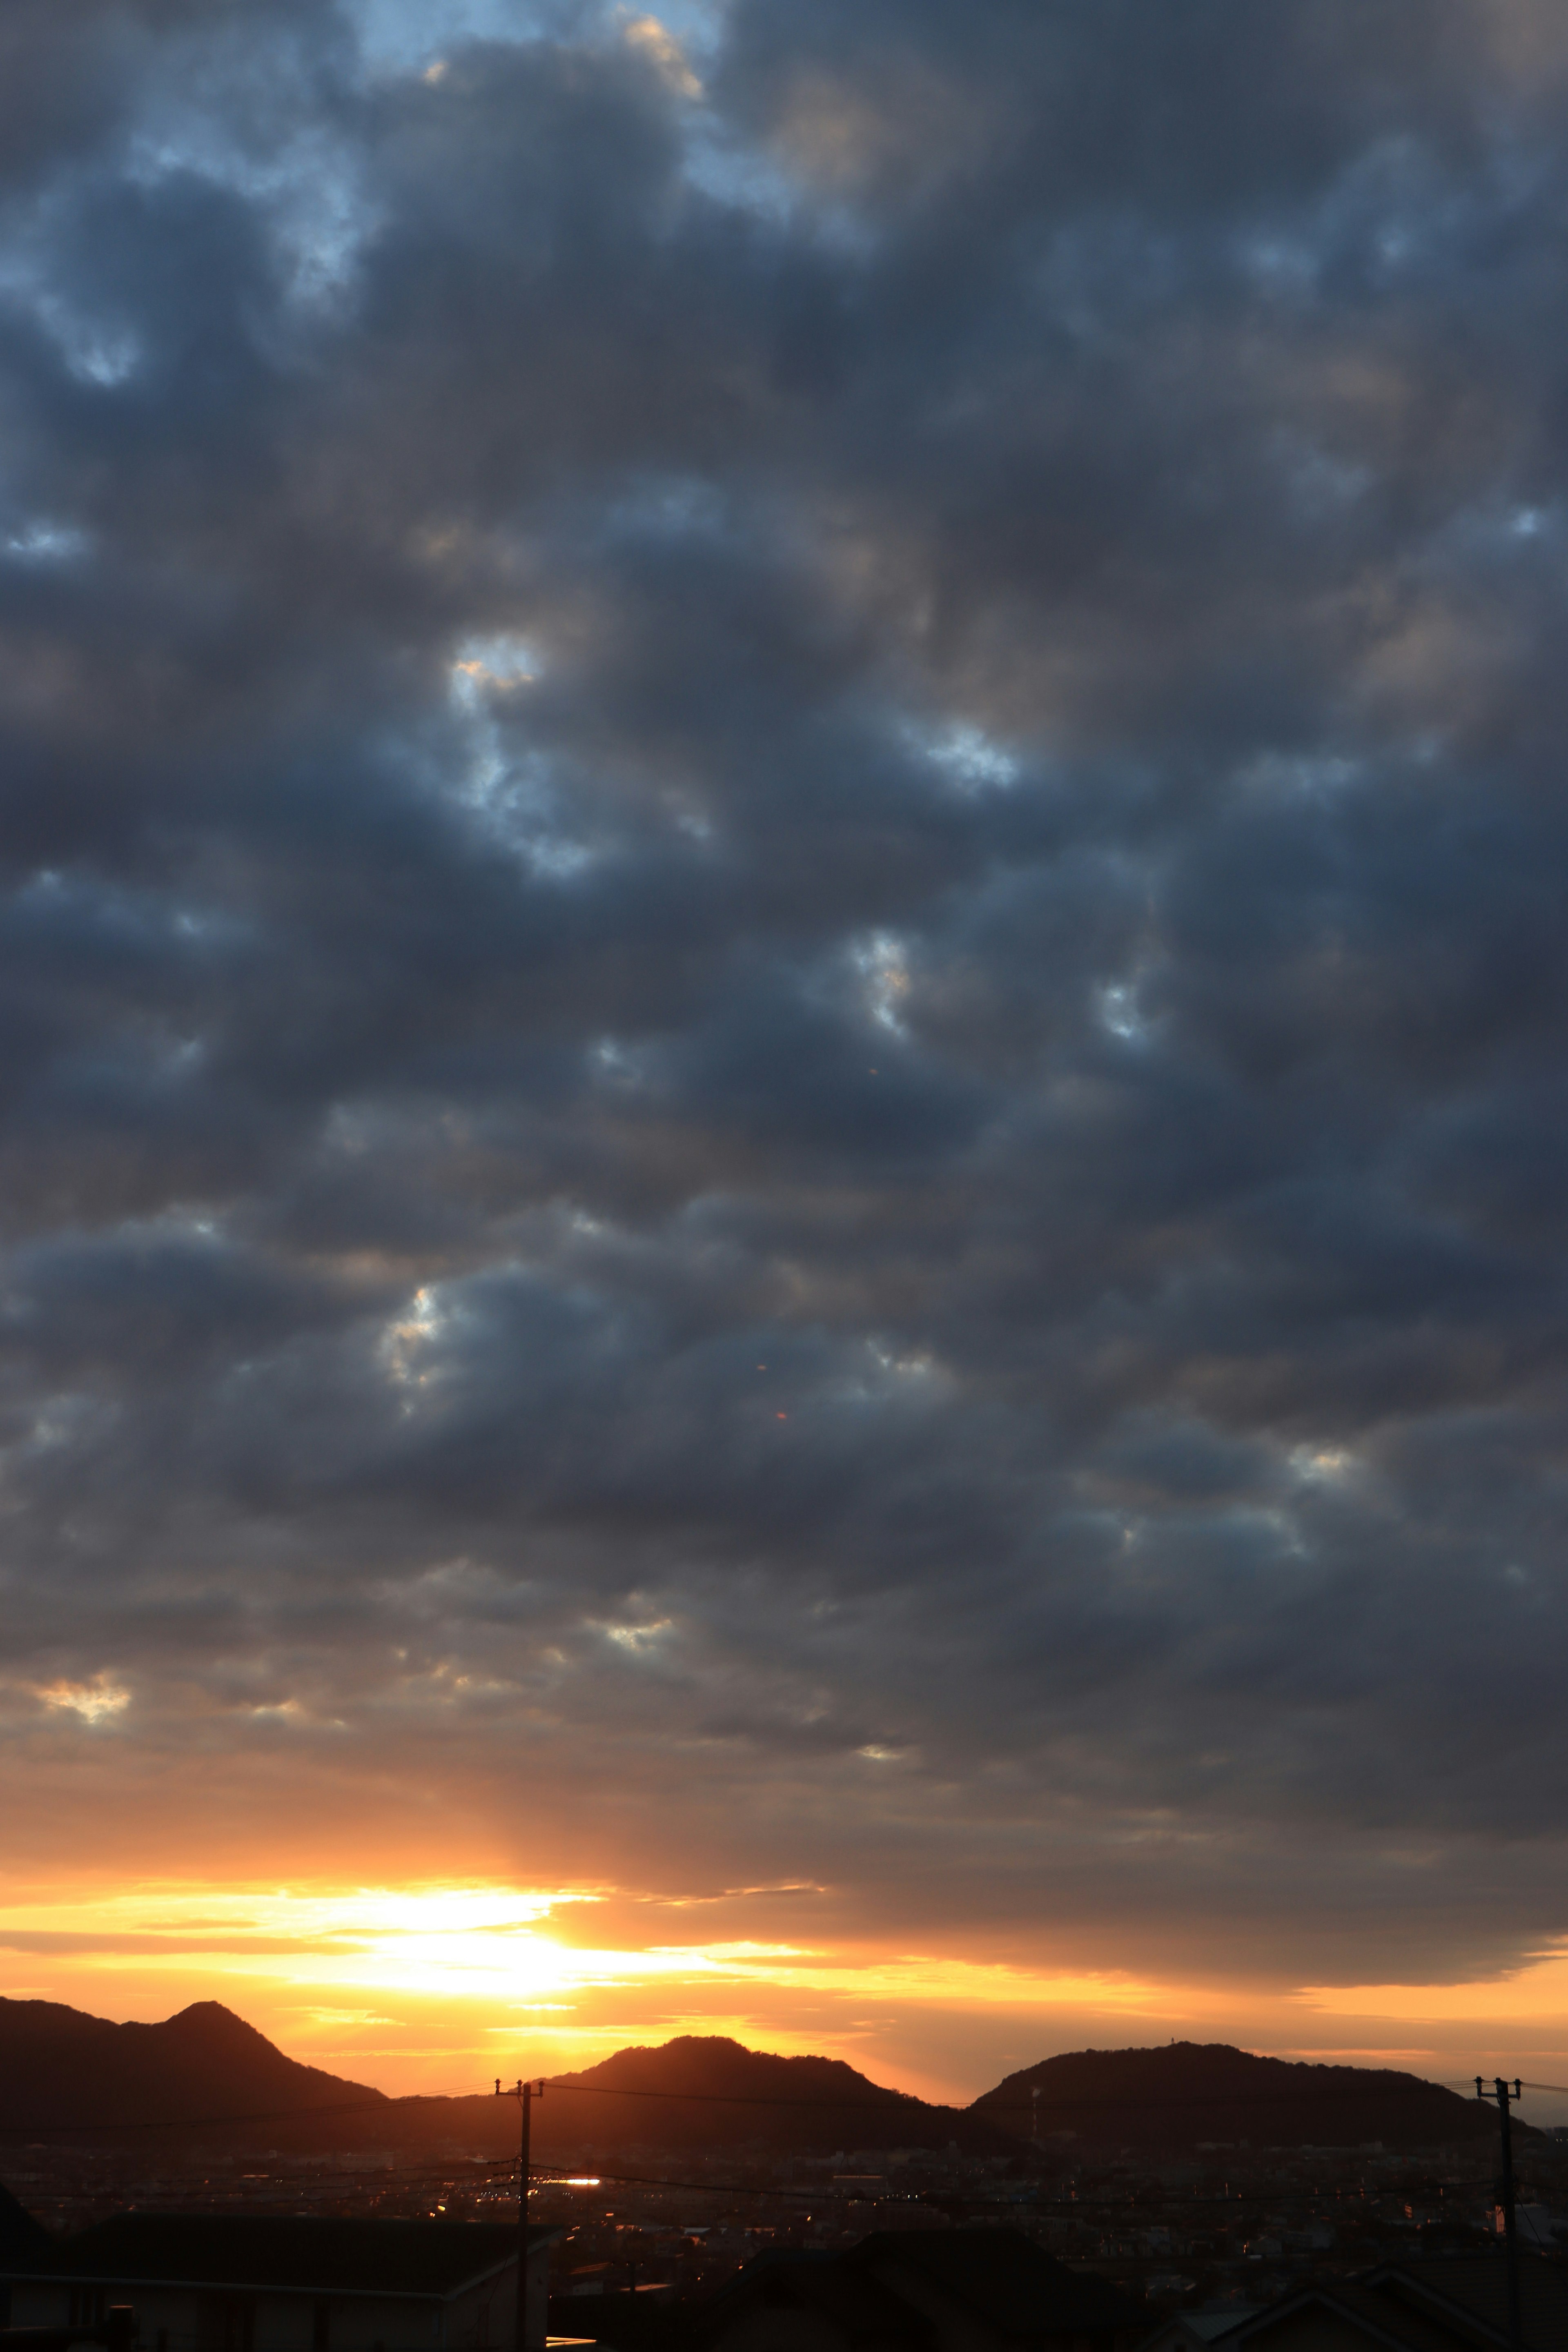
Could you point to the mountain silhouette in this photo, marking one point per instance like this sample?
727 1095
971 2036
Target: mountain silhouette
65 2073
1185 2092
707 2091
204 2073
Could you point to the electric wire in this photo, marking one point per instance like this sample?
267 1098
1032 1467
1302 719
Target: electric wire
982 2110
835 2192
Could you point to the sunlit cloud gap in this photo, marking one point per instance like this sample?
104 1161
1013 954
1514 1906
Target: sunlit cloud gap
480 1944
497 1957
784 1003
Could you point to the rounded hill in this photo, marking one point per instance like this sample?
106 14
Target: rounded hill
1190 2094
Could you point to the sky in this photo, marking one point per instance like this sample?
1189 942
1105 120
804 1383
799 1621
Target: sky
782 978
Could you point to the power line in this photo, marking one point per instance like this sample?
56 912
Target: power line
986 2107
830 2191
379 2103
744 2099
498 2171
1452 2082
503 2172
472 2176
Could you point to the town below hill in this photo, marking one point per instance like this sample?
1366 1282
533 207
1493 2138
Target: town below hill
1189 2174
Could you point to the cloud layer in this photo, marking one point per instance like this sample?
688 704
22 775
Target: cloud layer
782 957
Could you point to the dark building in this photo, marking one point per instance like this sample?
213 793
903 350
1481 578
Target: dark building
24 2245
1451 2304
255 2283
988 2290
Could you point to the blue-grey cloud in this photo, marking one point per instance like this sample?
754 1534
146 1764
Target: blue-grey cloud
781 943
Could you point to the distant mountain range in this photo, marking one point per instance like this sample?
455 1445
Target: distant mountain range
1185 2093
206 2073
66 2075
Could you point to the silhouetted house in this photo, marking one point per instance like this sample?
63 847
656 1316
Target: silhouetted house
920 2291
1198 2331
1449 2303
25 2243
259 2283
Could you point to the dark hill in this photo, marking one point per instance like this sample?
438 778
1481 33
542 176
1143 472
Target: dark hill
705 2091
1190 2092
206 2073
62 2072
701 2090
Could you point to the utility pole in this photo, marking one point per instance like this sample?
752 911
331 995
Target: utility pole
525 2095
1502 2095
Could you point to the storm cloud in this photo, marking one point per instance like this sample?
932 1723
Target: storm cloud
783 950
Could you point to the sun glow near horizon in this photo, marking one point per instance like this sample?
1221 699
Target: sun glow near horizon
452 1977
471 1943
434 1987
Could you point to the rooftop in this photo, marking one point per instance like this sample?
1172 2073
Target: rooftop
325 2256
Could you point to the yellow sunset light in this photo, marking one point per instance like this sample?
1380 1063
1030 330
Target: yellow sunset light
435 1985
495 1944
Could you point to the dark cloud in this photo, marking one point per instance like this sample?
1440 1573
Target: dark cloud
782 945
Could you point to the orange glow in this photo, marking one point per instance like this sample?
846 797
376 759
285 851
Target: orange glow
1535 1993
436 1988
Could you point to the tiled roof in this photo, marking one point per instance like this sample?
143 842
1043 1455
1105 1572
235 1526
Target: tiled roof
801 2279
997 2276
1474 2287
1450 2305
323 2256
1381 2320
1003 2278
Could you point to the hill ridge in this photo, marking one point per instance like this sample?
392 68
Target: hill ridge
207 2069
62 2069
1198 2093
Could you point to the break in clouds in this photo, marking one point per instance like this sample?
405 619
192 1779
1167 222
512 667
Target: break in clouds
783 954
